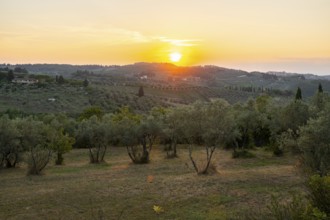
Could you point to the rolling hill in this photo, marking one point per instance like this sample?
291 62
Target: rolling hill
111 87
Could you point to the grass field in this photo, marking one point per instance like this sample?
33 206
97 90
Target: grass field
119 189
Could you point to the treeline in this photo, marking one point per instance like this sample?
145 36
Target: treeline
261 89
62 69
8 74
17 69
240 127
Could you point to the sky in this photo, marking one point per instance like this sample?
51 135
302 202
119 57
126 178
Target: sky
263 35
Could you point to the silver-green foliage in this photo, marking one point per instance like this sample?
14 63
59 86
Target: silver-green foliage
10 148
35 138
95 134
314 143
208 124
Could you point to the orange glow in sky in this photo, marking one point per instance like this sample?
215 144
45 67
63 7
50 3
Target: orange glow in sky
291 35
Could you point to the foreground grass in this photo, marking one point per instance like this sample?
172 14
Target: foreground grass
121 190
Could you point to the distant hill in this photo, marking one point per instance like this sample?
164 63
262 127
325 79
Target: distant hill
166 73
164 85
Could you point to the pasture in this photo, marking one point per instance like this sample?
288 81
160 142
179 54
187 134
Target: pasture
119 189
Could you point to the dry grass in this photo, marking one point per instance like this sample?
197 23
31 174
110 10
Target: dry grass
121 190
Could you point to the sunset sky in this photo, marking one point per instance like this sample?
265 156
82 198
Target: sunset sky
281 35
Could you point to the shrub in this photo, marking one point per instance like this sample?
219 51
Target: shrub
295 209
298 208
319 188
287 141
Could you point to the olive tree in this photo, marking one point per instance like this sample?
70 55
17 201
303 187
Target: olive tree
246 118
60 140
292 117
147 132
137 133
173 130
318 102
314 142
61 143
36 139
210 125
94 134
10 148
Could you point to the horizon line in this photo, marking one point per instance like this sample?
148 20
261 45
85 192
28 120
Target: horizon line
180 66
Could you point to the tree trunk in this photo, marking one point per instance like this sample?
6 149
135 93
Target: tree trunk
59 159
172 153
209 158
98 153
45 162
145 154
174 149
192 159
129 151
91 156
103 154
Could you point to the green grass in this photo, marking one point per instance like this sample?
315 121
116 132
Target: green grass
119 189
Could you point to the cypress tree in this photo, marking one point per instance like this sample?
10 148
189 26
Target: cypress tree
141 92
298 94
320 90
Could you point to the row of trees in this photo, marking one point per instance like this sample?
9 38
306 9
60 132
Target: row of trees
297 126
37 139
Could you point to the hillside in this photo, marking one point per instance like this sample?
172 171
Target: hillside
111 87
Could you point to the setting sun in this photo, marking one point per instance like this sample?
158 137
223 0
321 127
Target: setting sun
175 57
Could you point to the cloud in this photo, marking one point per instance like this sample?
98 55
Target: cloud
180 43
74 34
88 34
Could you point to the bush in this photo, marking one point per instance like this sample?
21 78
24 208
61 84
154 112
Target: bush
319 188
242 154
287 141
314 142
296 209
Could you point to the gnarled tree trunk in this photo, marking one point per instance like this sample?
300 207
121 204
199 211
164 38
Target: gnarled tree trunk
209 154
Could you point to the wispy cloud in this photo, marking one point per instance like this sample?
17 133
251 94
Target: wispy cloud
180 42
112 34
87 34
108 35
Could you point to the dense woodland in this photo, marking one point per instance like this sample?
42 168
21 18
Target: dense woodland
297 126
